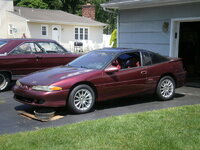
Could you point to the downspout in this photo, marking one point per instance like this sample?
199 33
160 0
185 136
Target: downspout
113 12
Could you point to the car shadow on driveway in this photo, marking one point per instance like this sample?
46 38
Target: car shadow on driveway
130 100
114 103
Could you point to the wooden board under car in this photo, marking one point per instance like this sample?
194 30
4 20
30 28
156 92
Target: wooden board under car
30 115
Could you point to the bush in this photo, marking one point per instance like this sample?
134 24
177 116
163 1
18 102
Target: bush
113 39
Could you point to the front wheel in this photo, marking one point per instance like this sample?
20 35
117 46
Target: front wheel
165 88
81 99
4 81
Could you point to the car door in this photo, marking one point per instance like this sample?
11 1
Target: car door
54 55
22 60
128 80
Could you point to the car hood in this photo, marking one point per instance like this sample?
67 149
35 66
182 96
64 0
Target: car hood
49 76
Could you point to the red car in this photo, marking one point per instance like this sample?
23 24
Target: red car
102 75
19 57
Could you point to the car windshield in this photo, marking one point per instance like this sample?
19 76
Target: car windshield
92 60
2 43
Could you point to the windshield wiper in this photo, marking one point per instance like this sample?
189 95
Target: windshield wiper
84 67
69 65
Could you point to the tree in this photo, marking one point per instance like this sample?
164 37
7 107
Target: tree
33 4
16 2
53 4
105 17
72 6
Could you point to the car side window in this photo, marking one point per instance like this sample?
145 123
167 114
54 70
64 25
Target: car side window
156 58
26 48
50 47
146 59
127 60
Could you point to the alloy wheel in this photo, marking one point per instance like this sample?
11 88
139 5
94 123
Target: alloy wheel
3 82
83 99
166 88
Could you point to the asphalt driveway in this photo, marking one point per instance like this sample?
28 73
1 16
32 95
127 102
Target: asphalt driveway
11 121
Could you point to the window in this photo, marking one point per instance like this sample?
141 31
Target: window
44 30
2 43
10 29
81 33
86 33
76 33
92 60
157 58
146 59
50 47
127 60
27 48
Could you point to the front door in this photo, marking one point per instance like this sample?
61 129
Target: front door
23 60
130 79
56 33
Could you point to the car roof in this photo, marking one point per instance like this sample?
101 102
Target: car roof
121 50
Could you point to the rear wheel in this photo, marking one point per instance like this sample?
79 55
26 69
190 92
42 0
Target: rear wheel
165 88
81 99
4 81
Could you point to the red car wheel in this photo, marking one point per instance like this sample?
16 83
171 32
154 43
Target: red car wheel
81 99
4 81
165 88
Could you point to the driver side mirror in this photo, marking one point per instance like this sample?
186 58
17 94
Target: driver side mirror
111 69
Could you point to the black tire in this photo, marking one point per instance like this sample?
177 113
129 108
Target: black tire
4 81
166 88
81 103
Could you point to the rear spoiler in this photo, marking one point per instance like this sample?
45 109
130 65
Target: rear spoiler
175 59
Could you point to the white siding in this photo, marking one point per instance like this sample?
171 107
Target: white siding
5 5
95 39
18 22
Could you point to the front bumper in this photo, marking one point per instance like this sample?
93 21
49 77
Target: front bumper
40 98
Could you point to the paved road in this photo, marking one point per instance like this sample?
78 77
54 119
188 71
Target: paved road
11 121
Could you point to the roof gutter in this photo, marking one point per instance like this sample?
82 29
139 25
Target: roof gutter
132 4
109 11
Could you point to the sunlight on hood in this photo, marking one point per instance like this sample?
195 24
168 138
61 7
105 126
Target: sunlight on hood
75 73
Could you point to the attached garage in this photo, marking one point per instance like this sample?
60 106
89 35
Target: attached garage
170 27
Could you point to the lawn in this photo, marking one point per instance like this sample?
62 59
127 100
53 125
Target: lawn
167 129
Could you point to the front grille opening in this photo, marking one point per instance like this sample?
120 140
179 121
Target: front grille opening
28 100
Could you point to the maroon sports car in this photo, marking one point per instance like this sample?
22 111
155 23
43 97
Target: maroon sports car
102 75
19 57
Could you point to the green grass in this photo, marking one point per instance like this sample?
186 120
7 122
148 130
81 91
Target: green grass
167 129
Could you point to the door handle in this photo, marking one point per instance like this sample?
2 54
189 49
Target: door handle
144 72
38 57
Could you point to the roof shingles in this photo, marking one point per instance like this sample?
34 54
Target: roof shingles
53 16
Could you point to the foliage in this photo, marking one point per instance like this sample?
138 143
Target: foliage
33 4
167 129
105 17
53 4
113 39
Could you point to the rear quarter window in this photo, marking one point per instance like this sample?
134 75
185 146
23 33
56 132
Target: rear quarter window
146 59
157 58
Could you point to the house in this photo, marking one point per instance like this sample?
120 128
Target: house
66 28
169 27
